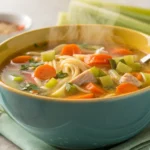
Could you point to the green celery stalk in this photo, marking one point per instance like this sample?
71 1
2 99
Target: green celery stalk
62 18
131 11
80 13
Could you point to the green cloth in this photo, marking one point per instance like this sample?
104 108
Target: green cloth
23 139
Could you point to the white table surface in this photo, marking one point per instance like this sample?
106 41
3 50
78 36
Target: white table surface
44 13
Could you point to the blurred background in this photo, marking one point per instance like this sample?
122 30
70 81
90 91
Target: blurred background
44 12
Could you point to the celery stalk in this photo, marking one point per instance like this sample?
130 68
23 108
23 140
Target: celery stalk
97 72
146 77
48 56
80 13
131 11
51 83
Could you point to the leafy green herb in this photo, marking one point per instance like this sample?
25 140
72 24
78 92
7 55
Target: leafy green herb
71 89
31 60
61 75
91 47
29 87
24 67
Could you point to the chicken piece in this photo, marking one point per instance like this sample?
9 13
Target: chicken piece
129 78
84 77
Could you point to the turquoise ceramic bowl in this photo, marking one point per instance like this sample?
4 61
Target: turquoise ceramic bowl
75 124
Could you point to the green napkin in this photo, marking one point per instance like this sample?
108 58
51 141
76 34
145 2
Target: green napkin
23 139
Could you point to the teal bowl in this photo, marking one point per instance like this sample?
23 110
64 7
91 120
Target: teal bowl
74 124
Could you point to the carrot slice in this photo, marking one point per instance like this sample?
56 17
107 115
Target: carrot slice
94 88
126 88
121 51
21 59
44 72
81 96
138 76
70 49
99 59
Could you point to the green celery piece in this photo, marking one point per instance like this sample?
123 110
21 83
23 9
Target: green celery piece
97 72
131 11
82 13
146 77
106 81
62 18
51 83
136 66
114 75
129 59
48 56
71 89
123 68
117 59
18 78
113 63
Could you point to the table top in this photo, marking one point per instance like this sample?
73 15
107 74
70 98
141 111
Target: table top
44 13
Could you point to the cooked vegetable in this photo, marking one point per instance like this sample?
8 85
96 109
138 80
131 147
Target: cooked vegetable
126 88
98 59
70 49
123 68
138 75
71 89
121 51
129 59
48 56
44 72
51 83
97 72
21 59
114 75
112 63
61 75
81 96
95 89
29 87
146 78
136 66
106 81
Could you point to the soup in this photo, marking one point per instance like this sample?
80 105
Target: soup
78 71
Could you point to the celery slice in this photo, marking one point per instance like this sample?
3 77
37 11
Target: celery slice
117 59
48 56
136 66
123 68
18 78
113 63
146 77
71 89
129 59
97 72
106 81
51 83
114 75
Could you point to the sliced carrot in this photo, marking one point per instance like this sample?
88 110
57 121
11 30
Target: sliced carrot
44 72
21 27
126 88
70 49
98 59
94 88
81 96
138 76
21 59
121 51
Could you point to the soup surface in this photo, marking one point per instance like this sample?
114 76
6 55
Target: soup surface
78 71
